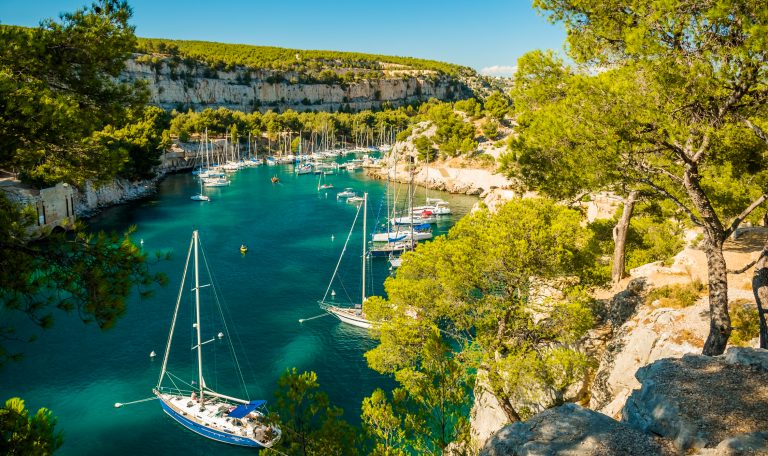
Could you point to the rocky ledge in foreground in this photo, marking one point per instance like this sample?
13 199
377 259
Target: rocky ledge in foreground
690 405
572 430
700 401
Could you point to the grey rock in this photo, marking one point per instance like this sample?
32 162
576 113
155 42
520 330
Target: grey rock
756 358
753 443
571 430
698 401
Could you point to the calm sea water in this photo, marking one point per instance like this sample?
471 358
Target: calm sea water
295 235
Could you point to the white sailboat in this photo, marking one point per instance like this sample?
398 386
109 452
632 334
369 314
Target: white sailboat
201 196
321 184
351 315
199 408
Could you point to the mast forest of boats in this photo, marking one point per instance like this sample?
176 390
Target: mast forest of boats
404 225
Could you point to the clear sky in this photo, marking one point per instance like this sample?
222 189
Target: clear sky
488 35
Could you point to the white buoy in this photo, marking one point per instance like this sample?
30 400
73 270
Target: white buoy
332 237
333 292
152 354
220 335
141 242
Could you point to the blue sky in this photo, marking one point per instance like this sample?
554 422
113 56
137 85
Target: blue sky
484 34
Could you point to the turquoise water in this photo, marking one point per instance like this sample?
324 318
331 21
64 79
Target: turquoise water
79 372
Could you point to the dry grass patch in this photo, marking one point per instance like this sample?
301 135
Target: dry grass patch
677 296
688 336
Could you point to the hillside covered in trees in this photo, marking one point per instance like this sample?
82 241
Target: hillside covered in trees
223 56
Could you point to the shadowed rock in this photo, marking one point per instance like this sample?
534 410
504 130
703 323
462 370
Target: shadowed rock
572 430
699 401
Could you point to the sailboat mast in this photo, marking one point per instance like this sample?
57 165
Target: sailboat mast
175 314
365 239
201 383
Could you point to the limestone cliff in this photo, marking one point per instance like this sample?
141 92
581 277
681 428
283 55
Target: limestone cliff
197 86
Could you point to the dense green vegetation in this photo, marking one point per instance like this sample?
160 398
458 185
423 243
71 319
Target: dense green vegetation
455 132
677 115
337 126
64 118
27 435
327 66
478 301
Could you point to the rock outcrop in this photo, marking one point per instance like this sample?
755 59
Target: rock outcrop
197 86
699 401
572 430
94 197
456 175
691 405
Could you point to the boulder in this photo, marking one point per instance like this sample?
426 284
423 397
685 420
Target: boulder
752 443
699 401
572 430
755 358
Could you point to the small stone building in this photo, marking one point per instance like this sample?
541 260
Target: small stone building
56 207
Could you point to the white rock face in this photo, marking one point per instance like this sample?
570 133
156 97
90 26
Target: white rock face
196 88
118 191
650 335
486 416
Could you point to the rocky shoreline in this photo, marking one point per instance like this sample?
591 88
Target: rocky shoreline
491 187
92 199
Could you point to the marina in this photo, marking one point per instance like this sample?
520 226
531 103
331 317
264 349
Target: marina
294 235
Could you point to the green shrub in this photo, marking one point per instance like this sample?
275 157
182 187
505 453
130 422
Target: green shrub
744 321
677 296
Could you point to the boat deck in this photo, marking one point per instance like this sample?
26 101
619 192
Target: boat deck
213 414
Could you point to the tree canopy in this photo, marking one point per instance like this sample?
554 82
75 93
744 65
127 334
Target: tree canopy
501 295
675 110
27 435
58 86
228 56
63 117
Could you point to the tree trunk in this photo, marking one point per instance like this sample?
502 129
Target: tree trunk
495 387
719 319
760 288
620 238
509 411
714 233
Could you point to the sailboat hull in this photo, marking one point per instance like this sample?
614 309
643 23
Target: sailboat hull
349 316
205 431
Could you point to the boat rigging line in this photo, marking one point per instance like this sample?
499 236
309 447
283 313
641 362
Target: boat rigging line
120 404
302 320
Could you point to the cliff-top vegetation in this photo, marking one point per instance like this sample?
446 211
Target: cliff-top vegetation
223 56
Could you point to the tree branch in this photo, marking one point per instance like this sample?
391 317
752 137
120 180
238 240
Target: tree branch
674 199
759 132
749 265
702 149
737 221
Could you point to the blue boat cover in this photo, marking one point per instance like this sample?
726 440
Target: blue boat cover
423 226
399 238
244 409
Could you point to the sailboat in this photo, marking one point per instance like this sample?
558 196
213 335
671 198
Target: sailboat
199 408
200 196
350 315
321 184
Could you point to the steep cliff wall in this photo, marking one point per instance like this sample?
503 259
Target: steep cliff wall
197 86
